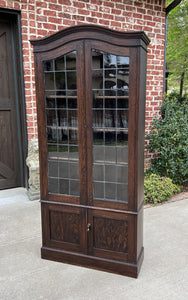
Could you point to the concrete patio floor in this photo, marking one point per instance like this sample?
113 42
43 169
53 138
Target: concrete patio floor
24 275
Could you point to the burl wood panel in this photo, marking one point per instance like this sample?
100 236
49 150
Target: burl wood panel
65 227
110 234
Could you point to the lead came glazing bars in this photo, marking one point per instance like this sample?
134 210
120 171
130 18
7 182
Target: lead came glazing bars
62 124
110 90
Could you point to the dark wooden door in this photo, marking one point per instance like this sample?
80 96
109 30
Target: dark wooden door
9 152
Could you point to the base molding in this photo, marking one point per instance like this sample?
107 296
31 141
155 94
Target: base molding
33 195
121 268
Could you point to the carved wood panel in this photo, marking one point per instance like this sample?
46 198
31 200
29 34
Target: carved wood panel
65 227
110 234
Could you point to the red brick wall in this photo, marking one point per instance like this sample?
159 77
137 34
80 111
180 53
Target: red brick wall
40 18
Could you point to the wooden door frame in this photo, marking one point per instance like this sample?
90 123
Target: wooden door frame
14 18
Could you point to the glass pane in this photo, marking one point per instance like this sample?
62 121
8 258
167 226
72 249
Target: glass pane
50 100
61 99
109 60
49 65
97 60
63 169
60 80
71 61
53 168
60 64
110 90
71 80
51 119
49 81
62 124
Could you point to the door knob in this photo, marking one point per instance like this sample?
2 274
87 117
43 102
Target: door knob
88 227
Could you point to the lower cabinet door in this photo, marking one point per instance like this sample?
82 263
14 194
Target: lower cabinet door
63 227
108 235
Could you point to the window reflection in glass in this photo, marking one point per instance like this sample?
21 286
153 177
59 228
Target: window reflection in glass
110 90
62 124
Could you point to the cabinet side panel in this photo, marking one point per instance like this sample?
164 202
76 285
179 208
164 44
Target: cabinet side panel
139 233
141 128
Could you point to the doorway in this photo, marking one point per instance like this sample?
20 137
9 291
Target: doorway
12 104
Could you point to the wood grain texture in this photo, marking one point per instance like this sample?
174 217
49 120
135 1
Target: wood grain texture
110 234
65 227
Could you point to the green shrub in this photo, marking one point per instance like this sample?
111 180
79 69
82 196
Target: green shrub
158 189
169 141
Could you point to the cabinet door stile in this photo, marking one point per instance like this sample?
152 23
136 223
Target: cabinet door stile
82 123
41 127
89 138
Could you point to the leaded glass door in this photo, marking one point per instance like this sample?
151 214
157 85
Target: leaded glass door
62 124
108 123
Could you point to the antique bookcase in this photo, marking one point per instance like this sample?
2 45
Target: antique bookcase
90 86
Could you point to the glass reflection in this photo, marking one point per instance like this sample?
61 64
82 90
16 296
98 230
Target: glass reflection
71 61
60 80
49 81
62 124
60 64
110 84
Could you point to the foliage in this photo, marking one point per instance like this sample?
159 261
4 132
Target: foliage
158 189
177 45
168 139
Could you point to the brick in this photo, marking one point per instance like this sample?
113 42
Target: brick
42 32
137 16
83 12
79 4
71 10
49 26
120 6
105 10
80 18
116 11
138 3
130 8
98 2
64 15
91 20
108 4
64 2
96 14
17 6
41 18
55 7
48 12
137 27
68 22
42 4
108 16
104 22
54 20
119 19
92 7
2 3
116 24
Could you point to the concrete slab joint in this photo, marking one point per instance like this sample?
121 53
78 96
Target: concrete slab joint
32 162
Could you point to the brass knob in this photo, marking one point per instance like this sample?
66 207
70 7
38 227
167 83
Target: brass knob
88 227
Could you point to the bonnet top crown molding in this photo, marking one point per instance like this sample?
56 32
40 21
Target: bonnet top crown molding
92 32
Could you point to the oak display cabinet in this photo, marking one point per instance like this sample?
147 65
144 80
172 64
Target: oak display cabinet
90 86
